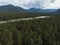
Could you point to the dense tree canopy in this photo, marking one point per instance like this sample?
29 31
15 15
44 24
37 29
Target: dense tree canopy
17 15
33 32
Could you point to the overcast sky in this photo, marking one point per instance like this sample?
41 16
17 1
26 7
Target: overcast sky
45 4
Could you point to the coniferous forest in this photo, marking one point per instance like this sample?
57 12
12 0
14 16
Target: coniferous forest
4 16
44 31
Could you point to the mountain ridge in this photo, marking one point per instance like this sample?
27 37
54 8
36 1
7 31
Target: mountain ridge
20 9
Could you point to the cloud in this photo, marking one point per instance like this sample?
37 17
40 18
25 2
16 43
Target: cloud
52 1
53 5
45 4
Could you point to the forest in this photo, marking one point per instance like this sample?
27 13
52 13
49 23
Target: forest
4 16
44 31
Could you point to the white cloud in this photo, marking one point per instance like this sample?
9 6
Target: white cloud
53 5
33 3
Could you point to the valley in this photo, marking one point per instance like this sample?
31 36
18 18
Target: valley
1 22
29 27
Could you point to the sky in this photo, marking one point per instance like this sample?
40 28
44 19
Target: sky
26 4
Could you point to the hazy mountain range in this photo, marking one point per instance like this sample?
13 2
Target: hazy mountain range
19 9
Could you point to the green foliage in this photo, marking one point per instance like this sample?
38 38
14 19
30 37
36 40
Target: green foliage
17 15
33 32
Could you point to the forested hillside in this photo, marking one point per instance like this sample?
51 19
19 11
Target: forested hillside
33 32
17 15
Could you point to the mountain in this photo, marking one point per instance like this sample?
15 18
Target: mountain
40 10
48 10
57 11
34 10
11 8
19 9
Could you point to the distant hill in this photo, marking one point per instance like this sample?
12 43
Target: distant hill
34 10
40 10
57 11
11 8
19 9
